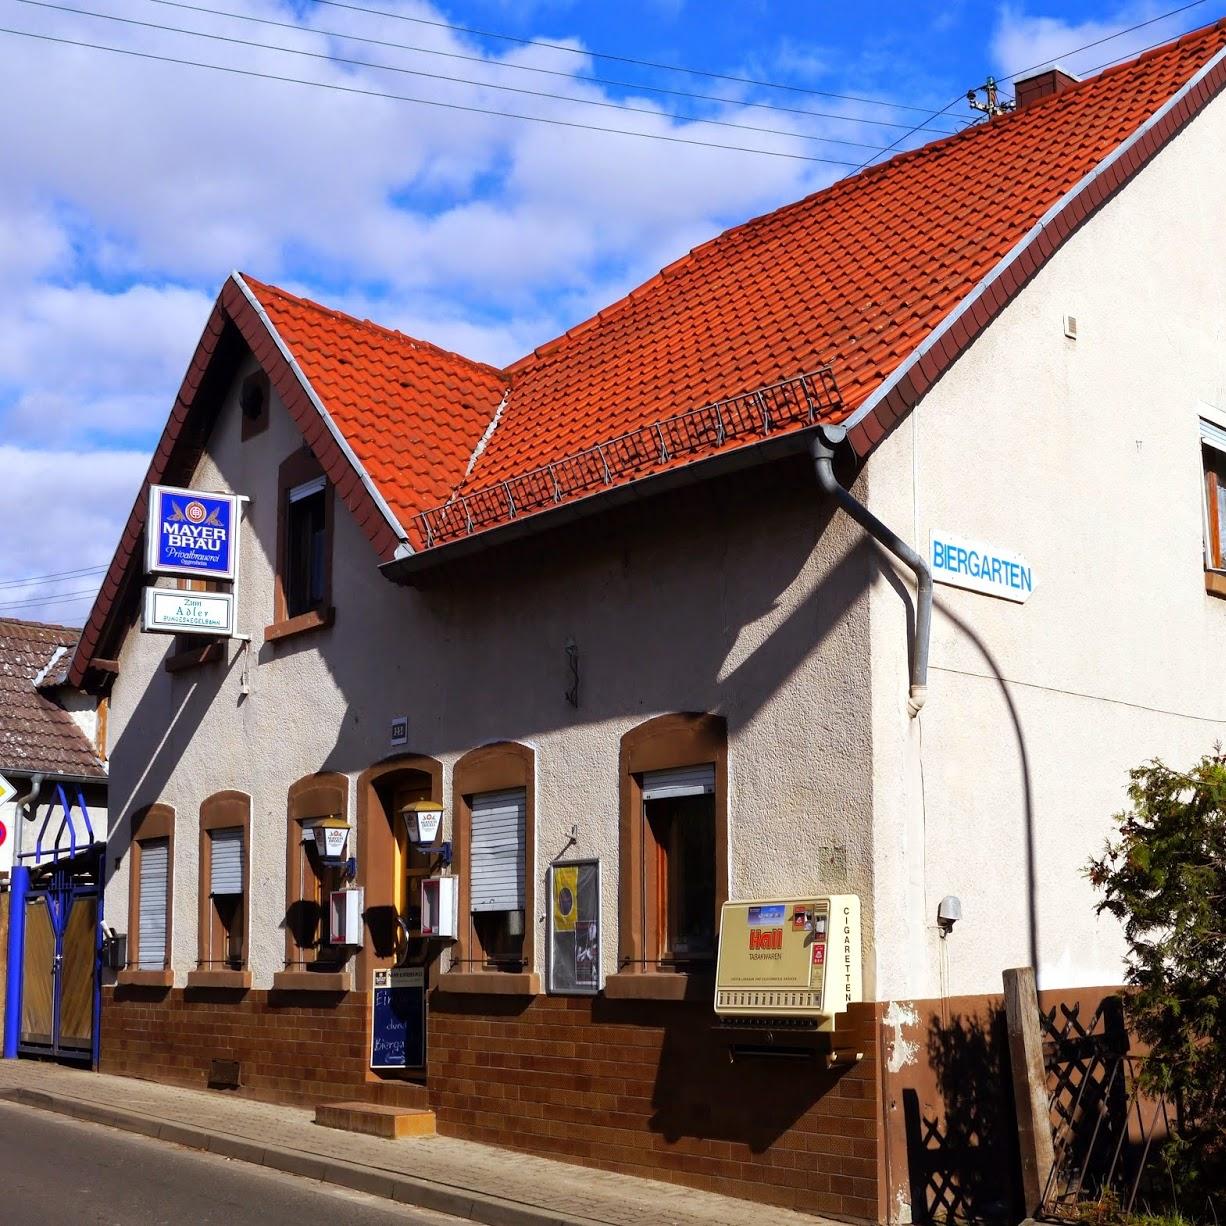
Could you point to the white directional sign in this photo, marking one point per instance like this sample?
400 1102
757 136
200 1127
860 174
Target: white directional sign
7 791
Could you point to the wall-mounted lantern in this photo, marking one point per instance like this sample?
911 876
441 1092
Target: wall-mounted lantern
330 835
422 819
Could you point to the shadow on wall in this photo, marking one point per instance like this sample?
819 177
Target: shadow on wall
962 1154
489 631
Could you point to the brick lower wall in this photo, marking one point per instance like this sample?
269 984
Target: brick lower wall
645 1088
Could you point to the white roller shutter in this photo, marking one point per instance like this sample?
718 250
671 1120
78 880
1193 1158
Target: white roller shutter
498 850
1212 435
226 876
684 781
154 879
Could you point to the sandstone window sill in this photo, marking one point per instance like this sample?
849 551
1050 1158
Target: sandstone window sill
491 983
132 978
660 985
314 619
236 981
1215 583
312 981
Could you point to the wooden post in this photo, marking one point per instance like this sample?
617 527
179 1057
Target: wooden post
1029 1084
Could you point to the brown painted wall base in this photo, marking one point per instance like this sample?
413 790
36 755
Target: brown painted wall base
643 1087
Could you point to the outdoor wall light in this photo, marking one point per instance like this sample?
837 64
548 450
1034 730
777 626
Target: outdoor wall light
330 835
422 820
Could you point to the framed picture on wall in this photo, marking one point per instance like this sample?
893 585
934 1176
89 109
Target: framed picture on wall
573 921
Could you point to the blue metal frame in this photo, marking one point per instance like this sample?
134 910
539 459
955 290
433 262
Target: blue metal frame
61 894
19 888
60 891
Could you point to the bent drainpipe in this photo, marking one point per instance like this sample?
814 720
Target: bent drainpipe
31 794
821 449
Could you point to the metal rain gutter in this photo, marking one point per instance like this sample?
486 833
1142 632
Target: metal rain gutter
821 448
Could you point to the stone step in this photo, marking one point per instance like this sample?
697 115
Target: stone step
375 1120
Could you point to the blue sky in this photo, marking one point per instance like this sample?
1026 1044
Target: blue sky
133 186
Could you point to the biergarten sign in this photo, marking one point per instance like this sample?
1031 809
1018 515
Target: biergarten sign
980 567
191 533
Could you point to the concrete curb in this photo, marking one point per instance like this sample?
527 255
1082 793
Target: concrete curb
374 1181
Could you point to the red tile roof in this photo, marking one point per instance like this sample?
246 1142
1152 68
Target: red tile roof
412 413
856 275
920 253
35 733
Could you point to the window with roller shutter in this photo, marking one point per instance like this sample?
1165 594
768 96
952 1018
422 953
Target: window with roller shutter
152 904
225 845
496 859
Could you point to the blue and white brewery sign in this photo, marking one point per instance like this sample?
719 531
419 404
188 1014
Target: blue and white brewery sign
979 567
190 533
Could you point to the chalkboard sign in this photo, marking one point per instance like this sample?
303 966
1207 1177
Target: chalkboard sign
398 1019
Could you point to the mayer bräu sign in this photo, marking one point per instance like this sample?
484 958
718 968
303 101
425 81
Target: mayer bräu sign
190 533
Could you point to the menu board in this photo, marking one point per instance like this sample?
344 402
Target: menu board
398 1018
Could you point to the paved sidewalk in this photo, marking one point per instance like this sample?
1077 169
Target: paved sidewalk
478 1182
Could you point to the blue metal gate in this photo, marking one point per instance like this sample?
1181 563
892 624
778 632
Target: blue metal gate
53 998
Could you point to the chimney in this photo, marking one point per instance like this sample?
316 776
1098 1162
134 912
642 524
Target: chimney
1041 84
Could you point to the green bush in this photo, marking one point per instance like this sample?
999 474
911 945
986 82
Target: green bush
1164 877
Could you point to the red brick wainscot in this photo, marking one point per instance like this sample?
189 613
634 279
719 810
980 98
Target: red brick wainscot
643 1087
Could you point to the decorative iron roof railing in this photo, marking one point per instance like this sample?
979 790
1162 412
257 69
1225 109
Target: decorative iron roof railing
801 400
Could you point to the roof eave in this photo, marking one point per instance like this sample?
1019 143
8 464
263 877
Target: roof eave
751 455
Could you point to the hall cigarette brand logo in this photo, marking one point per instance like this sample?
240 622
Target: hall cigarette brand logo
765 938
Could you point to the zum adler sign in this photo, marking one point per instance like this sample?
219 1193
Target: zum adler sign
191 533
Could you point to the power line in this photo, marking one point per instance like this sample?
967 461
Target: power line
63 574
1120 59
449 106
337 59
616 59
1108 38
1061 55
53 599
549 72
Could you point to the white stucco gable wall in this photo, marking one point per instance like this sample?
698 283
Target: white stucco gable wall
1084 456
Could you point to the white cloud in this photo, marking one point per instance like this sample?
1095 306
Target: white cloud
1022 40
60 511
133 187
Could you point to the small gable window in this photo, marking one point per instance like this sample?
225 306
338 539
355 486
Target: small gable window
303 592
306 531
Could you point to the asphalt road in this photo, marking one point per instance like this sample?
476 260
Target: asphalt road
55 1170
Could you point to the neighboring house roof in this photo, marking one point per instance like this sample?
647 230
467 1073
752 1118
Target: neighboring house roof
883 279
35 733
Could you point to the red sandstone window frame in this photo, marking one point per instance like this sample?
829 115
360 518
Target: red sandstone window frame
156 821
312 967
664 743
226 810
501 767
294 471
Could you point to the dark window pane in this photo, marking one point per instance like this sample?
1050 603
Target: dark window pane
684 828
305 576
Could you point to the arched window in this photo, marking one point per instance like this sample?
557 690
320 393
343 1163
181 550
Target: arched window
225 873
151 860
493 828
309 878
674 842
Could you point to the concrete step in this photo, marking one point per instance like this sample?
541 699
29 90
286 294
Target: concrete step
375 1120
